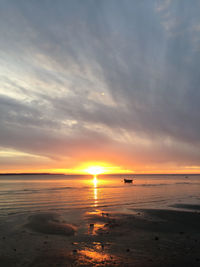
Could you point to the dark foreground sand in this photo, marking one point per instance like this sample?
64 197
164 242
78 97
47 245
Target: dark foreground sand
95 238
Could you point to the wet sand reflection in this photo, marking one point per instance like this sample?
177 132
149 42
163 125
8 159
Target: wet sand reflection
94 258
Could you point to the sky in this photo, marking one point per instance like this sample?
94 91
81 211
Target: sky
113 83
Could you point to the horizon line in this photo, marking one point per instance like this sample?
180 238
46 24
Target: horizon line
101 174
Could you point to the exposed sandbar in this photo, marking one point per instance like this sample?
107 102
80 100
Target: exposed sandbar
49 223
149 237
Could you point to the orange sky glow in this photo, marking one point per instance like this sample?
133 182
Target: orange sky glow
113 163
93 168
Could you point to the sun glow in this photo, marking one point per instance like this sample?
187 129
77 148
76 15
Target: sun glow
95 170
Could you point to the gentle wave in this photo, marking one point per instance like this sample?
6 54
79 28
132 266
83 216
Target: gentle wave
28 191
31 196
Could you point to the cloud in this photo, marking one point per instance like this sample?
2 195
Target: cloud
119 80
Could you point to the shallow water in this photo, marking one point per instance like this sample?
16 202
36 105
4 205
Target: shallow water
33 193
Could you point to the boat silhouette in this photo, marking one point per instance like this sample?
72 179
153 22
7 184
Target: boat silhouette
128 181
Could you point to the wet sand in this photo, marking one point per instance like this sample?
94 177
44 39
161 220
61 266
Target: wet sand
101 238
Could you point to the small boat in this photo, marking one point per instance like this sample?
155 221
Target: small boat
128 181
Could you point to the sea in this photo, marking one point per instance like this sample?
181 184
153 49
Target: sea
38 193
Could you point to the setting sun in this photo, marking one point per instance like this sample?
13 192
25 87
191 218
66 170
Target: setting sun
94 170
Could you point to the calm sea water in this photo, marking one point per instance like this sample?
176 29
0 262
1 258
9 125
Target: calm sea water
31 193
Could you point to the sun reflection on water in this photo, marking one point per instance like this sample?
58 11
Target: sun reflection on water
95 191
95 181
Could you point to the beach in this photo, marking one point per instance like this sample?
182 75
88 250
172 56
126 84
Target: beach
101 233
99 133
